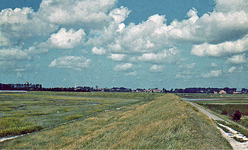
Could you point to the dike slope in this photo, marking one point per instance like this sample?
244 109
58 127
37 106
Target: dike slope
168 122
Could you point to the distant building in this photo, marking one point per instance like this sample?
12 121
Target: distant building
156 90
140 90
222 92
237 92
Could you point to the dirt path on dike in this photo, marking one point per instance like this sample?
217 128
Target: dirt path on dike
229 136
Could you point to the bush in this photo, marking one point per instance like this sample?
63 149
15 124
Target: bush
237 115
224 112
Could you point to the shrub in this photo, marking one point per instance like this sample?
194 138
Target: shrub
237 115
224 112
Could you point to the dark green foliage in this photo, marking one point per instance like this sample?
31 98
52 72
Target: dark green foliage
223 128
237 115
230 109
224 112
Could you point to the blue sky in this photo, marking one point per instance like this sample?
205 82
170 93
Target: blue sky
131 43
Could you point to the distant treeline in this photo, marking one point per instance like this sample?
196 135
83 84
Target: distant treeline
208 90
38 87
65 90
26 87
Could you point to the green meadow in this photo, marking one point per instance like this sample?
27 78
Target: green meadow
107 121
33 111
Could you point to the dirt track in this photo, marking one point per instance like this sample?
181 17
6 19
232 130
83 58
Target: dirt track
210 115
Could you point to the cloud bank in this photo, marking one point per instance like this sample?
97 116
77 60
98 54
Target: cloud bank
98 27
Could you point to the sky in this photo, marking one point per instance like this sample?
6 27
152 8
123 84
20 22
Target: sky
124 43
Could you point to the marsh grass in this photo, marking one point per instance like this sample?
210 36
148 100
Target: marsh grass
167 122
14 126
73 117
36 110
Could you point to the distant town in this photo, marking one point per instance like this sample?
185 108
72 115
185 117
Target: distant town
38 87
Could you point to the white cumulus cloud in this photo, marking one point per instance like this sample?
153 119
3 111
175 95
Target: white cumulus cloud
157 68
19 23
99 51
117 57
131 73
237 59
212 74
162 56
73 62
231 5
186 74
13 54
232 69
71 12
3 40
13 59
123 67
66 39
235 69
119 14
187 66
142 38
215 27
222 49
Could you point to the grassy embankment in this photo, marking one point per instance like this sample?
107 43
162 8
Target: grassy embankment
166 122
33 111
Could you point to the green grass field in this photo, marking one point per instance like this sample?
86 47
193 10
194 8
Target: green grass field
33 111
134 121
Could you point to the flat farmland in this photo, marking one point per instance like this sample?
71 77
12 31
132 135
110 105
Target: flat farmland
22 113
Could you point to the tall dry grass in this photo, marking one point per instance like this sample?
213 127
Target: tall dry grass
167 122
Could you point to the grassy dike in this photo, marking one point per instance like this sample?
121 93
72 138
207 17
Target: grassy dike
168 122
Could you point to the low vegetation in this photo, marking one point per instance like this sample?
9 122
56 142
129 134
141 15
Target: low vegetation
230 106
235 126
155 122
33 111
13 126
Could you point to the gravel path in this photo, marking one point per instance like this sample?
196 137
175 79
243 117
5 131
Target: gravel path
228 135
210 115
